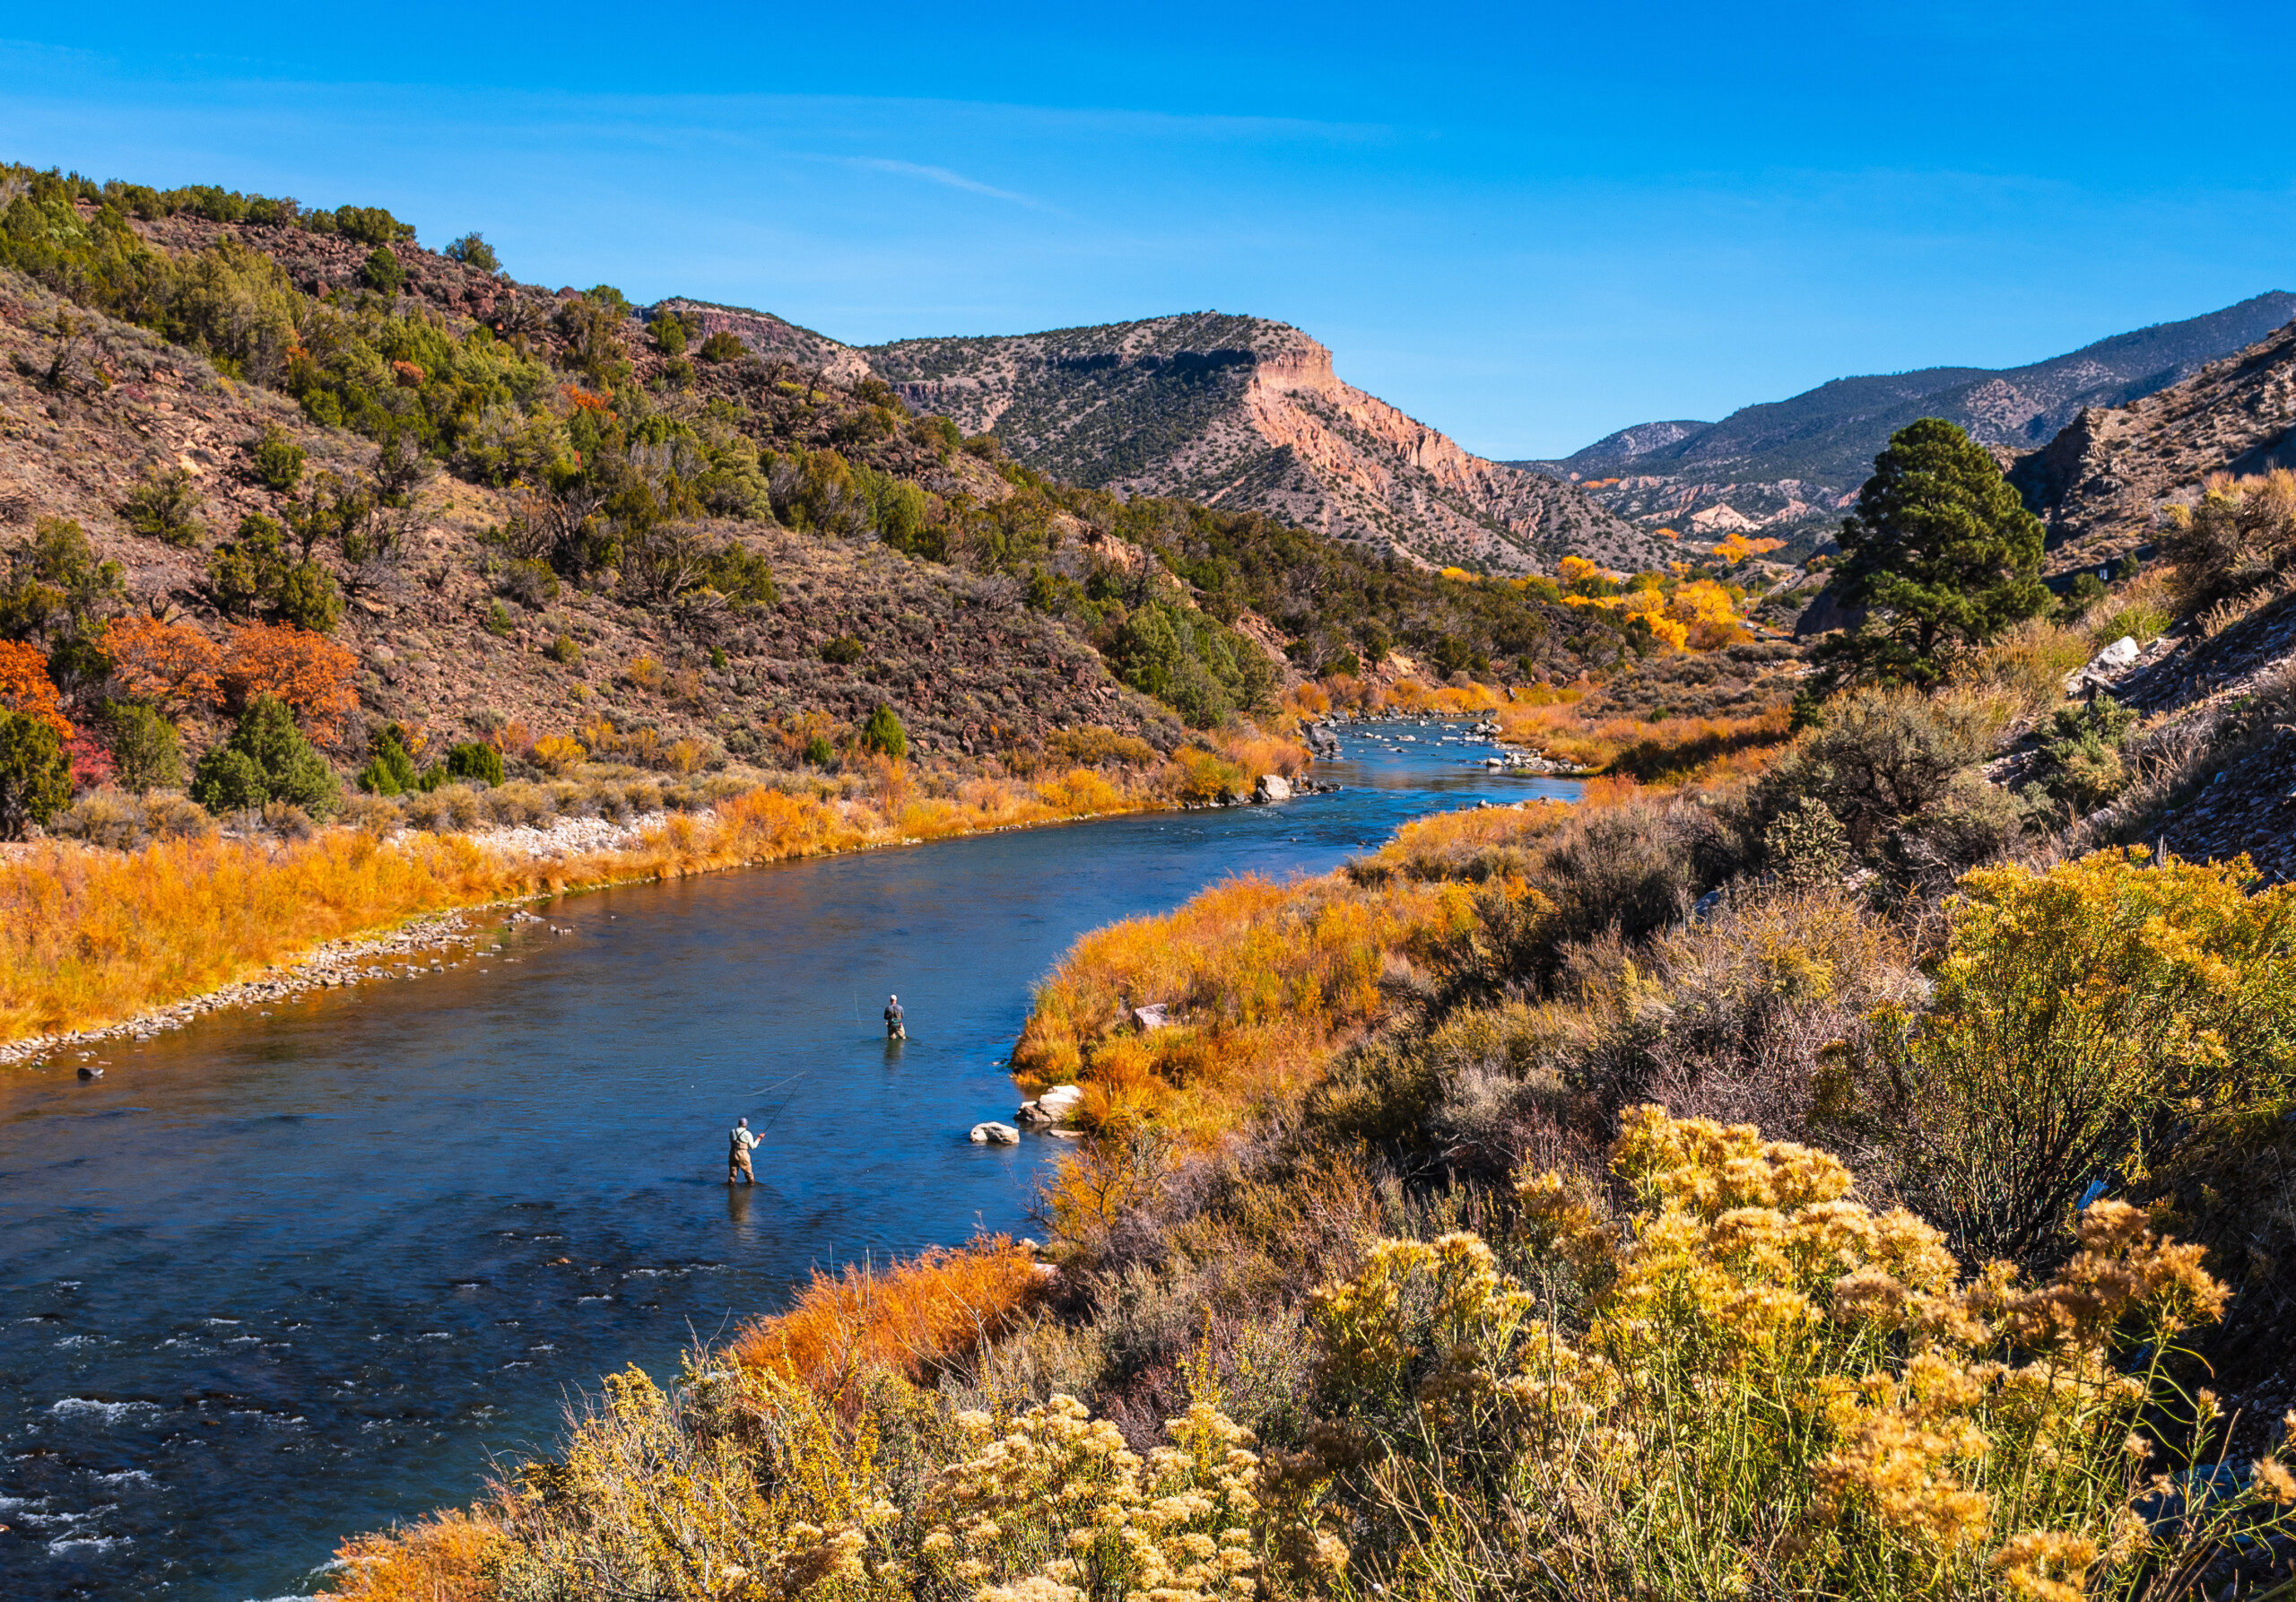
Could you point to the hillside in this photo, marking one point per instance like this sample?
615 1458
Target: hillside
968 665
2101 483
684 536
1242 413
1790 467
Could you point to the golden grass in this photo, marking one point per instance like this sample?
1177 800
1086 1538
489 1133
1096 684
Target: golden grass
907 1318
1263 982
1671 750
89 938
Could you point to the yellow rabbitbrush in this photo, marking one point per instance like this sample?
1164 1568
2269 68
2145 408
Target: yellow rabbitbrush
1760 1386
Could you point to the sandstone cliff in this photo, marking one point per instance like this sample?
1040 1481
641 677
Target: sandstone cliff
1245 413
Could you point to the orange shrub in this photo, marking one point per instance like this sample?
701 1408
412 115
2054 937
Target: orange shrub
25 686
907 1318
443 1558
310 672
1260 753
173 666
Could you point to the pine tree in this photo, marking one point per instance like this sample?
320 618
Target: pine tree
1940 552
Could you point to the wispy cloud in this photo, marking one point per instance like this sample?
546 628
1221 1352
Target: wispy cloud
941 175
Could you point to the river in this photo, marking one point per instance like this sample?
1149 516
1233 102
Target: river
281 1276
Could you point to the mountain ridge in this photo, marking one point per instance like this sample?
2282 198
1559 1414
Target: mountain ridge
1237 412
1790 467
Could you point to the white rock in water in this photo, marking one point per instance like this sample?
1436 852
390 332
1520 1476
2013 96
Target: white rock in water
1271 786
1060 1096
995 1135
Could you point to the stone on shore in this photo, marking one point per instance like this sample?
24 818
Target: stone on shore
1050 1107
1271 786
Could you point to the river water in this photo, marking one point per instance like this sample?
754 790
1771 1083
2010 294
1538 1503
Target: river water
280 1277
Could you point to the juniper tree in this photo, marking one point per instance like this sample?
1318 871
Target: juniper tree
1940 552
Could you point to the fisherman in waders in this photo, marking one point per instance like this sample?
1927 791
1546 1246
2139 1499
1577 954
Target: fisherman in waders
737 1153
895 1030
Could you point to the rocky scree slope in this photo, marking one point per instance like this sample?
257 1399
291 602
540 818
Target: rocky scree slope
1243 414
1789 469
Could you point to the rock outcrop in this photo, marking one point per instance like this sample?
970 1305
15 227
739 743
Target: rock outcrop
1249 414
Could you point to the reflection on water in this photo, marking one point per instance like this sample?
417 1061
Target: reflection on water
278 1278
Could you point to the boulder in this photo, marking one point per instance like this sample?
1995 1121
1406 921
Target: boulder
2105 666
995 1135
1051 1107
1271 786
1151 1017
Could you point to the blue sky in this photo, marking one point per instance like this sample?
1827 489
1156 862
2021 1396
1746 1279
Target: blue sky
1525 225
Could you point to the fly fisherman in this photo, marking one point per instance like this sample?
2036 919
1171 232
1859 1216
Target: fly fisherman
737 1153
895 1030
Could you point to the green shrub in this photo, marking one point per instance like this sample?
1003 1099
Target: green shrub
278 460
565 652
844 650
2079 764
722 347
390 768
669 334
162 507
254 575
883 733
2084 592
35 773
531 583
497 620
144 747
308 598
381 271
368 224
474 251
1878 758
821 752
245 574
266 759
52 584
475 758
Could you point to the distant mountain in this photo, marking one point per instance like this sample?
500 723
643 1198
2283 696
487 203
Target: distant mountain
1242 412
1788 468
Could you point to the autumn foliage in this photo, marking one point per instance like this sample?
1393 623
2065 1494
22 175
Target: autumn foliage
25 687
310 673
172 666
